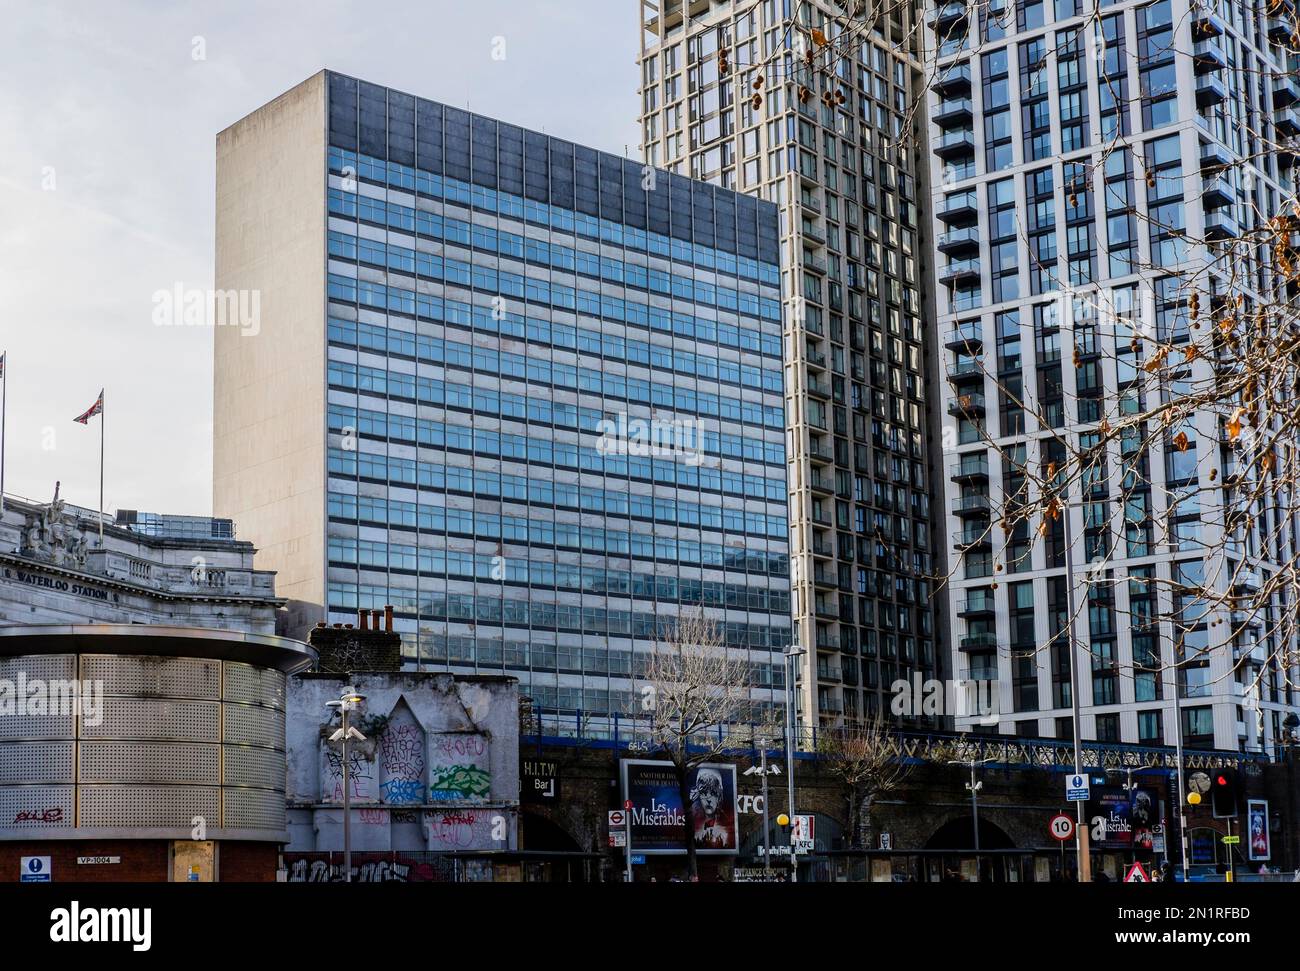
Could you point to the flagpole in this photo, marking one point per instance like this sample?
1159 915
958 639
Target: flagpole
102 419
4 393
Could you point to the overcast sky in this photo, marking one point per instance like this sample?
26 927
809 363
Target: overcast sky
108 125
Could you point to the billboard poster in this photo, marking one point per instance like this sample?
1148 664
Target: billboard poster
1117 822
1257 828
658 815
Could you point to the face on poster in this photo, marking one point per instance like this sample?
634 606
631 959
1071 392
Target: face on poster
1257 828
658 816
1120 822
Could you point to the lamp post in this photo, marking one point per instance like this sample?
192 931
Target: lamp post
1080 832
765 770
1291 726
1178 755
791 728
973 788
348 701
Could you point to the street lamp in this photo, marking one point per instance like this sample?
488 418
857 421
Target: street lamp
348 701
1080 833
973 788
765 770
791 655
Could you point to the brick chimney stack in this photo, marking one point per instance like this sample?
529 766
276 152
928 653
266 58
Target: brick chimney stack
363 647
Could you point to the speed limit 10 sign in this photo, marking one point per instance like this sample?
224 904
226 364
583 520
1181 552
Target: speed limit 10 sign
1062 827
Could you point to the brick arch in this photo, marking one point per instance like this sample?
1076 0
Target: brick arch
542 829
956 833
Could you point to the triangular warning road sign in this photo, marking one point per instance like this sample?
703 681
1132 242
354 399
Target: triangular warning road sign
1136 874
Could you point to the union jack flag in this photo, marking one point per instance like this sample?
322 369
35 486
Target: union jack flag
96 409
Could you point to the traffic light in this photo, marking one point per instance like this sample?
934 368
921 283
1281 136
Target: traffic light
1223 793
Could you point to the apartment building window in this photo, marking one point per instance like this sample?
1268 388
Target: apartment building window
1030 14
1158 77
1059 642
1036 112
1040 212
1150 727
1010 376
996 16
1052 456
1023 646
1072 88
1112 86
1137 516
1107 727
1047 341
1165 212
1004 243
1145 630
1019 550
1121 222
997 111
1198 727
1101 625
1080 226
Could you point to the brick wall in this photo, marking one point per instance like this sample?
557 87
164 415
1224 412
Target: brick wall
247 862
143 861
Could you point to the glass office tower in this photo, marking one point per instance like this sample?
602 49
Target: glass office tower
1083 158
808 103
543 385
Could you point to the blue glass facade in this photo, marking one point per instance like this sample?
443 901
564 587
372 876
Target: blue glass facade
506 312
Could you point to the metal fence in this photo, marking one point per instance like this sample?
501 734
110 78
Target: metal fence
624 731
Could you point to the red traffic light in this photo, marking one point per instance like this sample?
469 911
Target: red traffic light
1220 780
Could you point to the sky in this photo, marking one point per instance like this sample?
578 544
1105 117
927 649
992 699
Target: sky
108 121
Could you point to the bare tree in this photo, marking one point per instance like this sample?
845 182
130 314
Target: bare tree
865 758
695 704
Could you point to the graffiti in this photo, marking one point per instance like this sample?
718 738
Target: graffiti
406 868
373 817
401 751
402 791
51 815
401 763
405 816
459 782
452 830
360 775
461 746
319 871
458 768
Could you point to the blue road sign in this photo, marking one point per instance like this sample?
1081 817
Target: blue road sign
1077 787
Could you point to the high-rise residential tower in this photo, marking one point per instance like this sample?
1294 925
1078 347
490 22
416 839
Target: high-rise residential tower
526 392
808 103
1093 169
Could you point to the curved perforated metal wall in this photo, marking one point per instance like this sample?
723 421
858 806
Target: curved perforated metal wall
165 740
29 763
